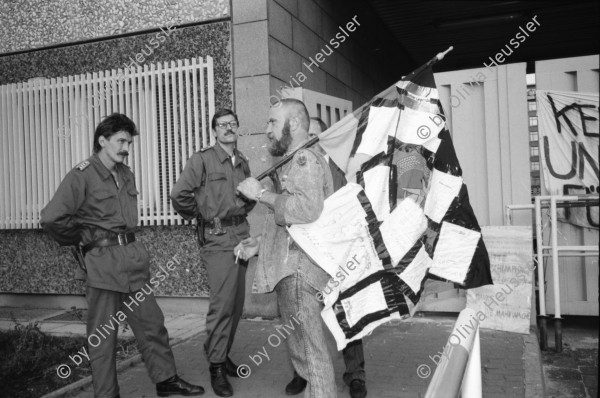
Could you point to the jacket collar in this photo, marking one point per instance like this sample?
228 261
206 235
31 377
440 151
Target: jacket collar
100 167
103 171
223 156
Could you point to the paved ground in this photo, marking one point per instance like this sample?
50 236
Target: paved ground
393 355
573 373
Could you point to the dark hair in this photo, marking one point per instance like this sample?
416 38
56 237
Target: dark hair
298 109
221 113
322 124
110 126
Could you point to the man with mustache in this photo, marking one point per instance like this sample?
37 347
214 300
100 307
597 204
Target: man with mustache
206 190
282 266
95 207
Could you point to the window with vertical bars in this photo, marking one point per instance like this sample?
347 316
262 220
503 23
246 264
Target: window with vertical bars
47 127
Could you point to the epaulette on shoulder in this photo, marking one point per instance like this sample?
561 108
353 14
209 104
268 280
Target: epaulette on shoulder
206 148
83 165
242 156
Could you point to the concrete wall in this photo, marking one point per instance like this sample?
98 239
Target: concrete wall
31 24
336 46
274 41
61 38
31 262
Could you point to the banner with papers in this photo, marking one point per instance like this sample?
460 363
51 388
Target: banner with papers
506 305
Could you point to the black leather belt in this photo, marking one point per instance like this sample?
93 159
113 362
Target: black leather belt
118 239
226 222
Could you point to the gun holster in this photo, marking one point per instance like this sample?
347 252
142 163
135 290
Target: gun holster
216 228
80 271
200 224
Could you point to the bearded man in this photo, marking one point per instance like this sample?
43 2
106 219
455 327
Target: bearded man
282 266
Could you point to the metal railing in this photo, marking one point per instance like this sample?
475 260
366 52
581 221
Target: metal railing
554 252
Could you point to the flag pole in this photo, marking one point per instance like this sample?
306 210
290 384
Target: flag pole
438 57
429 63
286 159
314 140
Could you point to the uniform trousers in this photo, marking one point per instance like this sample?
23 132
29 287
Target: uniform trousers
148 325
227 282
354 359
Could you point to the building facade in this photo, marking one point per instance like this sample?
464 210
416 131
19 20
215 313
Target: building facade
168 65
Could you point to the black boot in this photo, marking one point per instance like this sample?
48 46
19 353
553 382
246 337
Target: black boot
358 389
232 368
296 386
177 386
218 380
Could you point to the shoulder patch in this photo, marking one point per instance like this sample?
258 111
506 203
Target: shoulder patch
301 157
83 165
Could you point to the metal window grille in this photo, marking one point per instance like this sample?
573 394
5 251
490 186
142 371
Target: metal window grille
47 126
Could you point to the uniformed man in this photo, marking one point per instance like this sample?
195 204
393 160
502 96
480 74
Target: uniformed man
95 206
282 266
354 357
206 190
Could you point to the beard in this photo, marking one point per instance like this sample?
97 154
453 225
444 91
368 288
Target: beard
281 146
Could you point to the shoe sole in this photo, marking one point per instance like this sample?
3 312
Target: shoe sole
168 394
230 395
294 392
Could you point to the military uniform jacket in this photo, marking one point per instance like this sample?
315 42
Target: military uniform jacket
87 205
306 182
207 188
